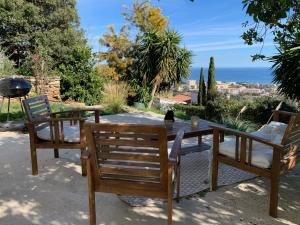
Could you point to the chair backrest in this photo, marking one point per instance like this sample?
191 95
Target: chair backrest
128 158
291 141
37 108
292 132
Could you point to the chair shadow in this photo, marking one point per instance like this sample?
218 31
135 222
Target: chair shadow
58 195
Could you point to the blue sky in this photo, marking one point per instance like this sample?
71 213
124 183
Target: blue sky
208 28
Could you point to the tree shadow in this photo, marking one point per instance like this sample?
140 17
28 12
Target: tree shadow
58 195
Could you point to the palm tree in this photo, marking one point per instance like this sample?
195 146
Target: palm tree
286 72
161 59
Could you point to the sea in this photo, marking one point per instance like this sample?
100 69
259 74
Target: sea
248 75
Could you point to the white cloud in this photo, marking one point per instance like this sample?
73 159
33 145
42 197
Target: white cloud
224 45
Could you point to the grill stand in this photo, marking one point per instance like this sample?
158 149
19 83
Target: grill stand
8 106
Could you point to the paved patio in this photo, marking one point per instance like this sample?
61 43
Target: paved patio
58 195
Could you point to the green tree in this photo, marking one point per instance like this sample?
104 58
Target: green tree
202 89
79 78
282 18
27 25
145 16
286 71
117 55
211 82
279 17
161 59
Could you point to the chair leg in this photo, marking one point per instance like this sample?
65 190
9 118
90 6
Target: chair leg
274 196
170 208
56 153
214 175
92 208
91 190
34 164
83 164
170 195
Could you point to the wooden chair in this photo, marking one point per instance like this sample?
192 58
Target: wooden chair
284 156
131 160
48 131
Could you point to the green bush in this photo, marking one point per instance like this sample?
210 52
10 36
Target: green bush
79 79
190 110
260 110
236 124
257 113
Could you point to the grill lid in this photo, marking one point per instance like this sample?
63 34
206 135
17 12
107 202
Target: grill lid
13 87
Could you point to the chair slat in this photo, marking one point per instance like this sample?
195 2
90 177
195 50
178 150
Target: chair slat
130 135
133 143
130 157
137 179
43 107
125 171
237 144
131 163
131 149
243 149
250 152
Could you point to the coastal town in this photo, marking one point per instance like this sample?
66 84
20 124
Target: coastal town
187 91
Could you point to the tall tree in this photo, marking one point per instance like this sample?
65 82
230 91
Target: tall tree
202 89
117 55
211 82
281 18
161 59
27 24
286 71
145 16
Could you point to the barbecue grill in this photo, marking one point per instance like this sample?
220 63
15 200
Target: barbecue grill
13 87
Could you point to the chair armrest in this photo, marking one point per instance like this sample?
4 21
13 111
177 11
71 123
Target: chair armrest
36 122
175 151
76 111
247 135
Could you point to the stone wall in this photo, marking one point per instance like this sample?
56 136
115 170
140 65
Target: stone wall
49 86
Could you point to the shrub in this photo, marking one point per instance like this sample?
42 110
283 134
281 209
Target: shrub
138 93
190 110
236 124
79 79
260 110
115 95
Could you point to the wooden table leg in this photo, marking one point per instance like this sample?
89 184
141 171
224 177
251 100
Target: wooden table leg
200 140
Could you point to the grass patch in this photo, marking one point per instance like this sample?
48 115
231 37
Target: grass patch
16 113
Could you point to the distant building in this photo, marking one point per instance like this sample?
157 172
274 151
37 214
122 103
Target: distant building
177 99
192 84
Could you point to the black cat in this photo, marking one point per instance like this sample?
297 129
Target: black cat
169 115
